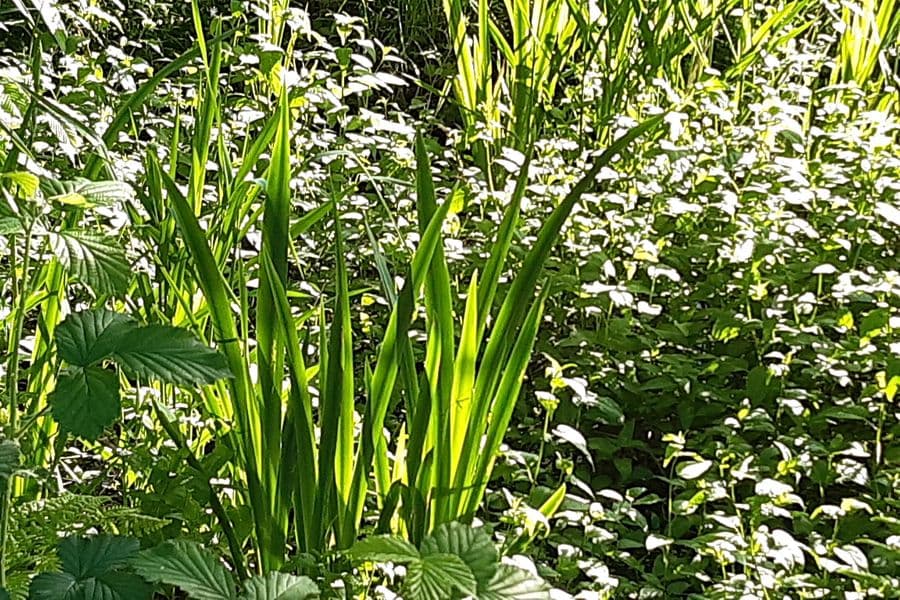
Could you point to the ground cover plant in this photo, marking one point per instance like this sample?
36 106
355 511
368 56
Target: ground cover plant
413 299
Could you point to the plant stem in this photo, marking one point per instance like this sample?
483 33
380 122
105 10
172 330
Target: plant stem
12 380
234 547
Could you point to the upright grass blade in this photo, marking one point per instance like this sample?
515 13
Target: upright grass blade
270 340
502 342
502 405
298 452
218 299
870 27
464 379
384 376
336 408
439 324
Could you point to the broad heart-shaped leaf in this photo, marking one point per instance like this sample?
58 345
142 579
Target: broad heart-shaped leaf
86 193
92 570
96 260
171 355
86 337
438 577
86 401
510 583
189 566
94 556
383 548
115 585
279 586
472 544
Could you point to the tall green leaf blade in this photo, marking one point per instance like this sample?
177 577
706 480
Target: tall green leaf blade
270 341
464 377
170 354
86 401
85 337
502 405
337 403
387 363
439 319
189 566
298 418
96 260
512 311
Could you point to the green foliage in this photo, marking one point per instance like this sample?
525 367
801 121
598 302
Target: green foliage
92 569
202 576
35 530
86 398
455 561
633 305
188 566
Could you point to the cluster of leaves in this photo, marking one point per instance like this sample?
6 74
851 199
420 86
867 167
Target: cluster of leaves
108 567
454 561
86 398
724 359
721 338
36 527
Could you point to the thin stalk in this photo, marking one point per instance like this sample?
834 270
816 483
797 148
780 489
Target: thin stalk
234 547
12 380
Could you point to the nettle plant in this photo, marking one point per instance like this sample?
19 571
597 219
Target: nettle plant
107 567
453 561
86 398
737 297
69 372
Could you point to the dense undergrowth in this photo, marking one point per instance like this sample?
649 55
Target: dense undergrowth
508 300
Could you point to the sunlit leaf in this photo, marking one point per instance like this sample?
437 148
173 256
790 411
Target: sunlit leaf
96 260
188 566
169 354
279 586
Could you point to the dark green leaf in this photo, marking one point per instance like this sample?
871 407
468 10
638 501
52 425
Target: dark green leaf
437 577
92 557
189 566
510 583
92 570
169 354
96 260
472 544
280 586
85 401
86 337
9 460
384 548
